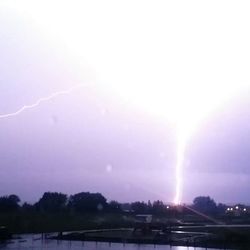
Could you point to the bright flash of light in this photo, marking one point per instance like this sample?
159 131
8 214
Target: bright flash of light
41 100
181 144
178 59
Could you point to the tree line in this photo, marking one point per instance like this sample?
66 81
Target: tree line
86 202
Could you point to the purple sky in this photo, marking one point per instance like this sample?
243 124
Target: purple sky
89 140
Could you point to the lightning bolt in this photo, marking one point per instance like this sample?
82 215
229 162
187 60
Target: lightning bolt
184 132
41 100
178 170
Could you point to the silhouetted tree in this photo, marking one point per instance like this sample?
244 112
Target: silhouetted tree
26 207
126 207
14 198
87 202
52 202
204 204
114 206
158 207
139 207
150 206
9 203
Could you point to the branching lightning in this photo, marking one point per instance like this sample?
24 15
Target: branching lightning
41 100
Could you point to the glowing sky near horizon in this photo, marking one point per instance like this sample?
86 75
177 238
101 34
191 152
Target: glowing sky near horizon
177 60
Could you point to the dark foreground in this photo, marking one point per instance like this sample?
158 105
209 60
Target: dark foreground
229 237
36 242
